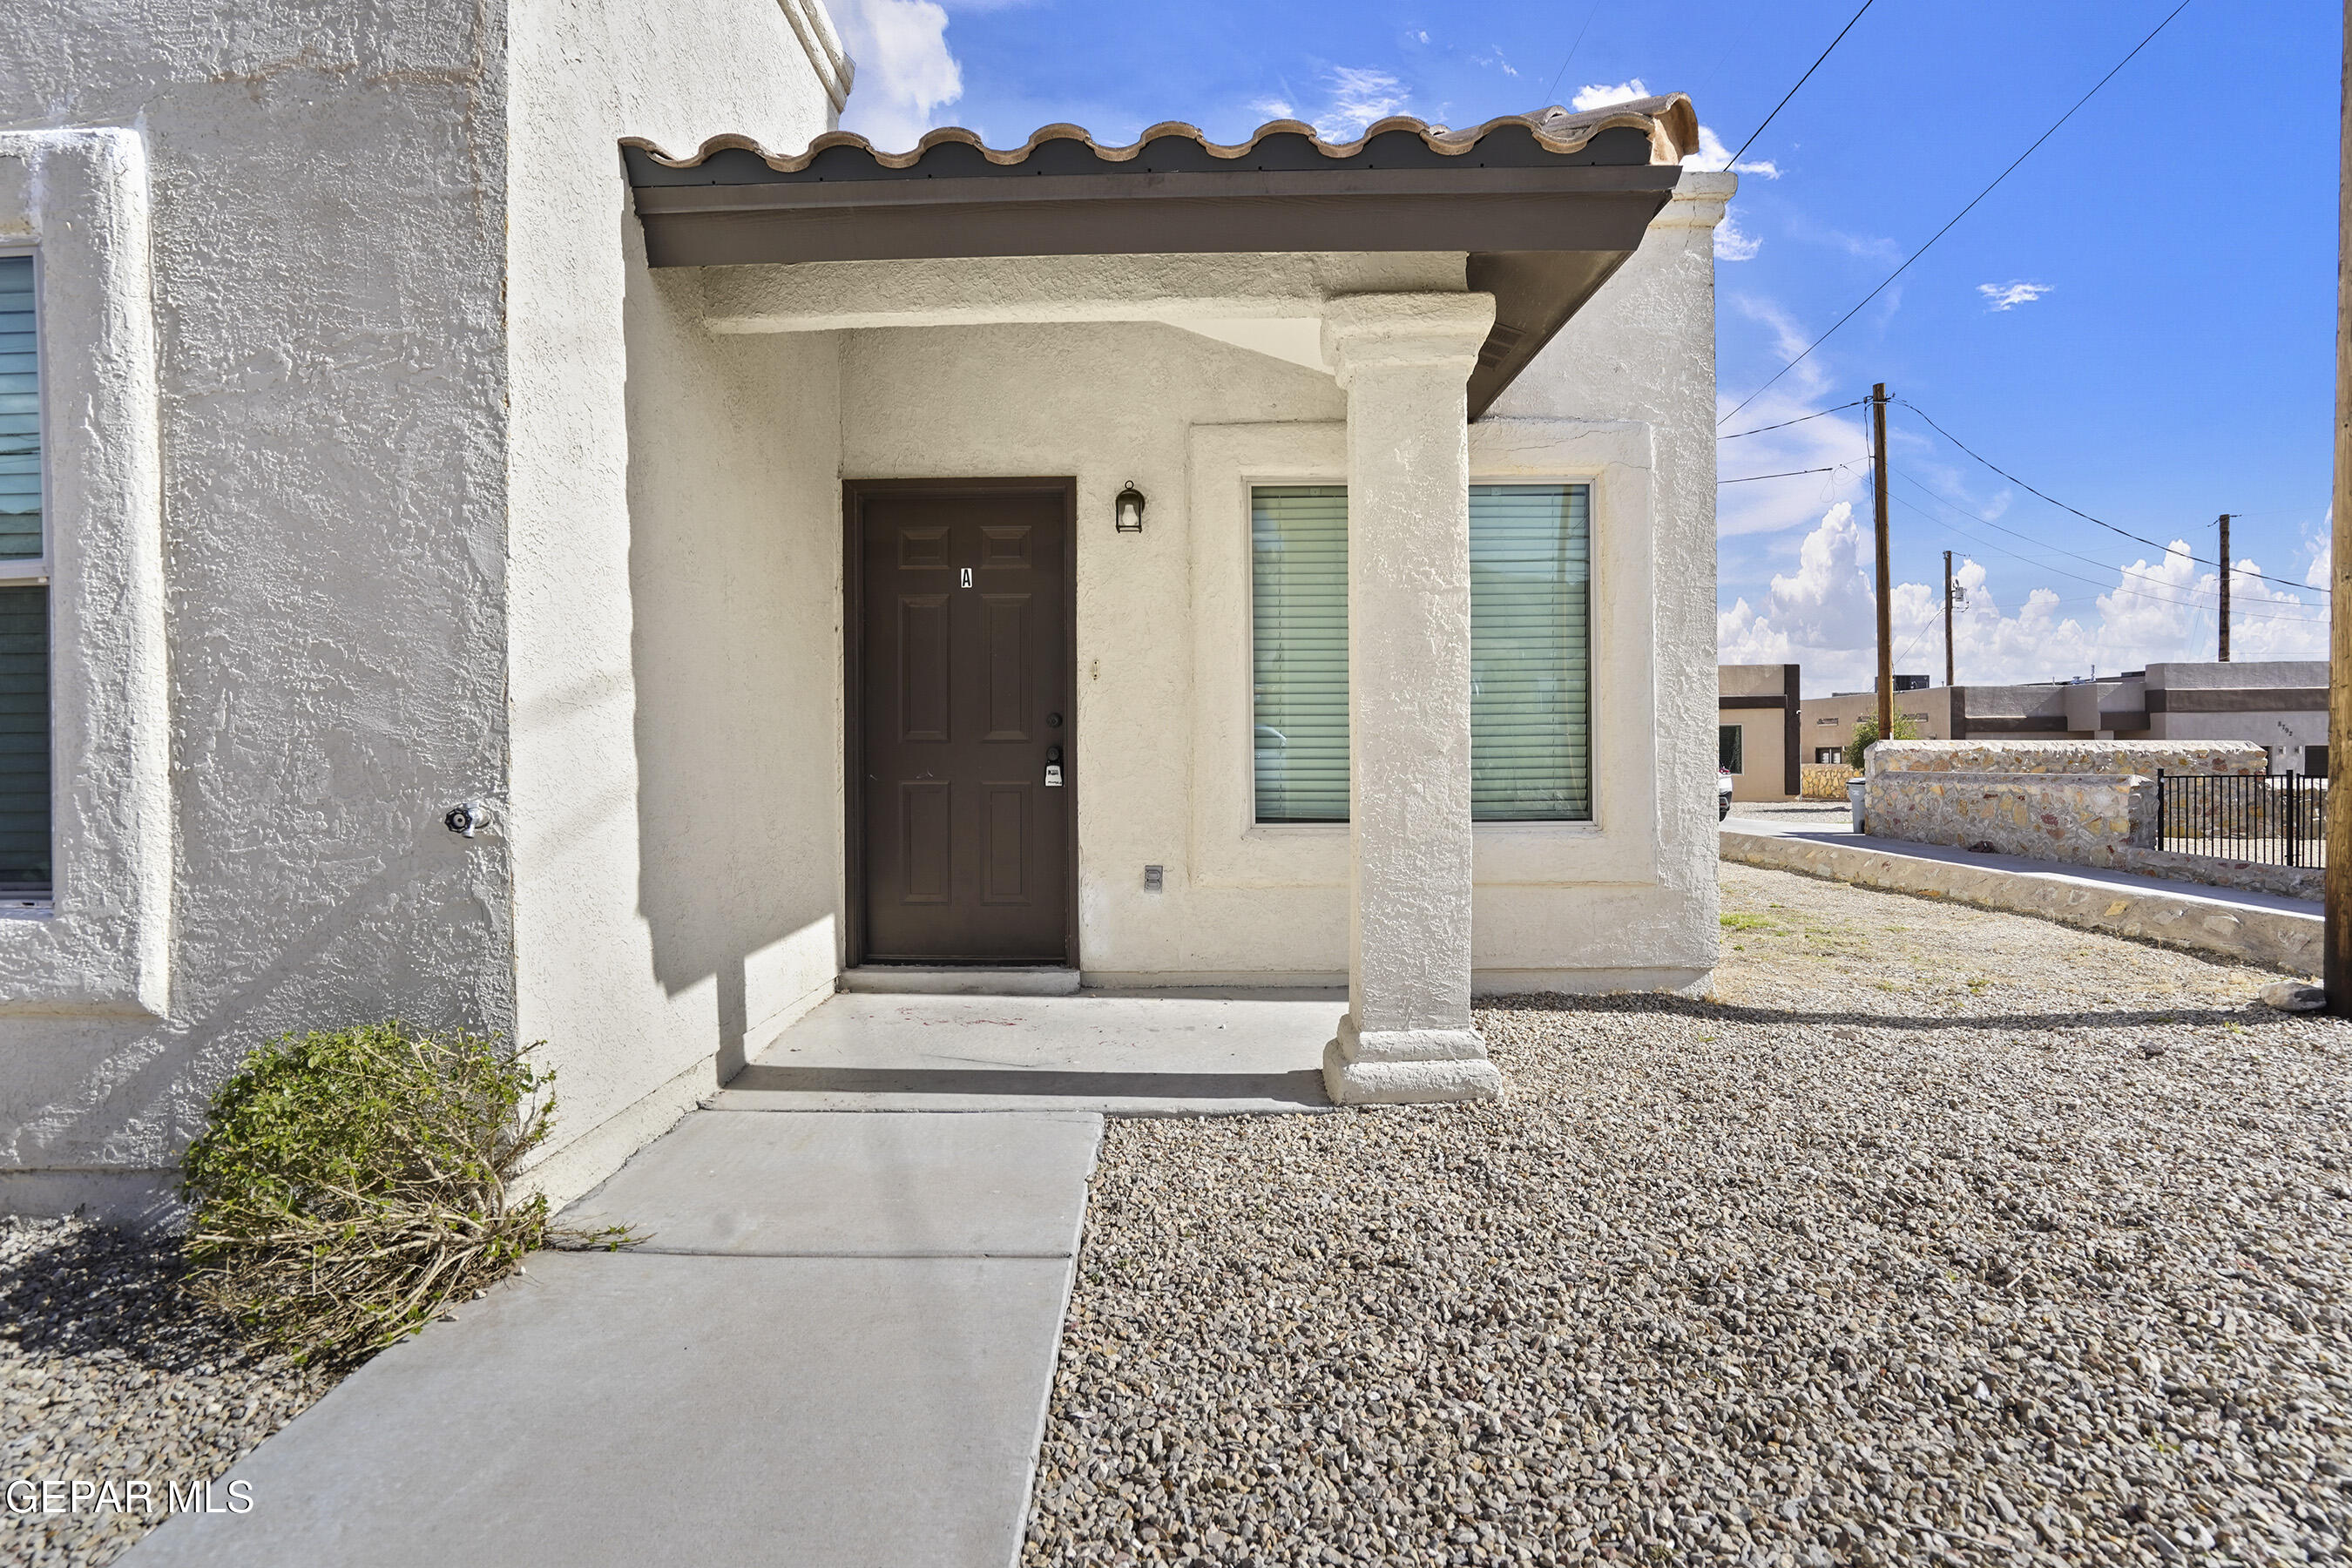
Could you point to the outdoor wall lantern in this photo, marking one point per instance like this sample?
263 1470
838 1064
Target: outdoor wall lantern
1127 510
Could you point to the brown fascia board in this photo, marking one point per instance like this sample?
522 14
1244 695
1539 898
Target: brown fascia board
1547 208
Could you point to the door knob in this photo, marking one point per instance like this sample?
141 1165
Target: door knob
1053 753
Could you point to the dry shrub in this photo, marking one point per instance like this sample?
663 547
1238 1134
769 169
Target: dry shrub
350 1186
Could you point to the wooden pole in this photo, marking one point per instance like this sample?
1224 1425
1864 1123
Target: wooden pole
1948 620
2225 587
2337 958
1886 573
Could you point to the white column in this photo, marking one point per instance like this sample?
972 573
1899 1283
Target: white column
1403 360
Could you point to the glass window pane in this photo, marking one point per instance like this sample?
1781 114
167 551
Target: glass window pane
1530 653
1299 555
23 740
20 425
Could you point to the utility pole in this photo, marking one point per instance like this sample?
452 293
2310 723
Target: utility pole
1886 587
1948 620
2336 971
2225 587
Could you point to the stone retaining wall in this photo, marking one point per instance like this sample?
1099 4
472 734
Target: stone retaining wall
2084 803
1824 780
2077 817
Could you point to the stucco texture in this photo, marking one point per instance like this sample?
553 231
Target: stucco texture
328 200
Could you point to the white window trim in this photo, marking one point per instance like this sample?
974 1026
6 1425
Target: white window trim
78 201
1231 848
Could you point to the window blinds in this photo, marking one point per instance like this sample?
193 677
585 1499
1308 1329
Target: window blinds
1531 652
24 738
1530 681
20 417
1298 551
24 607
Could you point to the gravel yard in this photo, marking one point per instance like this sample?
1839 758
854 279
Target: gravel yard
107 1374
1937 1235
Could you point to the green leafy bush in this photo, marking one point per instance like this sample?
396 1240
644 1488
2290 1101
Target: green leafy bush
350 1186
1866 735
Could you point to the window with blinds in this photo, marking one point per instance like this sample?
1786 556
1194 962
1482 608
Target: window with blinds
24 598
1531 652
1298 628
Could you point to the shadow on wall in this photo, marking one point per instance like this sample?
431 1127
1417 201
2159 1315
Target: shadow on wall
734 561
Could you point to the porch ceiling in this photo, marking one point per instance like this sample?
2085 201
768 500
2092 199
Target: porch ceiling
1545 206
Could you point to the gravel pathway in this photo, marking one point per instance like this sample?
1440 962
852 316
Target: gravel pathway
1938 1236
107 1374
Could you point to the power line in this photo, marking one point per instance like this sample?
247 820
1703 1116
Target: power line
2086 516
2318 618
1792 473
1571 50
2107 591
1964 212
1800 81
1799 419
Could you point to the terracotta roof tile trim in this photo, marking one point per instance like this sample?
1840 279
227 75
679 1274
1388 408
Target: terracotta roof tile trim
1670 123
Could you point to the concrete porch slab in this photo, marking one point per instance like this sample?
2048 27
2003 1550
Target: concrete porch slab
615 1410
848 1186
1199 1053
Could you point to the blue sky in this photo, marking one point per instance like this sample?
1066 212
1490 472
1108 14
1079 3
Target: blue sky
2138 321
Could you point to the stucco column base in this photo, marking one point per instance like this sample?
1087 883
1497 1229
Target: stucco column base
1408 1066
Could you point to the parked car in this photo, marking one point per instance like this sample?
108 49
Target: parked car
1722 794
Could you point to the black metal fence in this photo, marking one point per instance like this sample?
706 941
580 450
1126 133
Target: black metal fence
2271 819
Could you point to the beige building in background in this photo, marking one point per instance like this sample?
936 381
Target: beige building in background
1827 723
2279 705
1756 729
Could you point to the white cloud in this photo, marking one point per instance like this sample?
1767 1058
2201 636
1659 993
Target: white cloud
1593 97
1493 56
1272 109
906 72
1358 97
1732 243
2006 296
1823 615
1712 155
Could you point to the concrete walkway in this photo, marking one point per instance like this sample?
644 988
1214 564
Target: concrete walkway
2262 929
835 1349
1199 1053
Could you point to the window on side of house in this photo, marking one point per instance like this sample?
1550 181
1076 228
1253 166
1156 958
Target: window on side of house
24 868
1299 630
1531 652
1730 747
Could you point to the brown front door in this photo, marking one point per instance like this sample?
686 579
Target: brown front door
963 755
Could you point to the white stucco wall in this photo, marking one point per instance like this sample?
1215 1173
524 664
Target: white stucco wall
673 572
325 238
